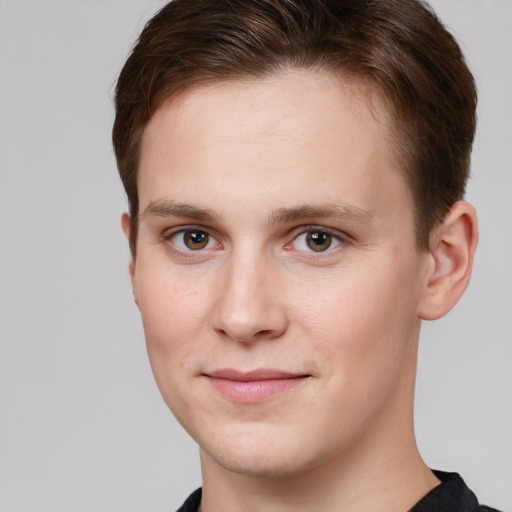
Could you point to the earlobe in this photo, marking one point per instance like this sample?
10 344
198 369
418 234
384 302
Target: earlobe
126 227
451 253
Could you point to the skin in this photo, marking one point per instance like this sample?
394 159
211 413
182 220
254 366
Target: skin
252 168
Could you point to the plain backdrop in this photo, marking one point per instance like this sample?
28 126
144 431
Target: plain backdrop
82 425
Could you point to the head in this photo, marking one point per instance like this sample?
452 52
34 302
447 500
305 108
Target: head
294 171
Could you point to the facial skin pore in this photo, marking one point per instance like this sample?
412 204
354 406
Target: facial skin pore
281 292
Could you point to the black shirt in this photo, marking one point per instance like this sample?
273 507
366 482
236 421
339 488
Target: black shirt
451 495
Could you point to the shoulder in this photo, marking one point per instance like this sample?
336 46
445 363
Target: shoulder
192 503
451 495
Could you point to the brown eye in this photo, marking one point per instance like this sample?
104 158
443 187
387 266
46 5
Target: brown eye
195 240
318 241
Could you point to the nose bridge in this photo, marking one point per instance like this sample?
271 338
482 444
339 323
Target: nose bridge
248 307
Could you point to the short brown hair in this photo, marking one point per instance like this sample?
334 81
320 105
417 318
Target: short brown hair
398 46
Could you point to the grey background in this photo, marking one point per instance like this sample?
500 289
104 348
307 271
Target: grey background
82 425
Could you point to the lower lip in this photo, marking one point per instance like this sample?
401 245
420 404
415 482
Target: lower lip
254 390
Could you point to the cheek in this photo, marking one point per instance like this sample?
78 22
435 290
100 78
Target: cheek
363 325
172 310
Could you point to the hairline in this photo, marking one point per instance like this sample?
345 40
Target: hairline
357 85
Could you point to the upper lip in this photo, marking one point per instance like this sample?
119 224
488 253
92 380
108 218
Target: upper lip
259 374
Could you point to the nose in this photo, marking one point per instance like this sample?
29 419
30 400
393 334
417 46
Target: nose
249 306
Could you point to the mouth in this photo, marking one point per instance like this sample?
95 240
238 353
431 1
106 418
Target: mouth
254 386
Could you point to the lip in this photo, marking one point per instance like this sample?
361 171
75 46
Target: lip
253 386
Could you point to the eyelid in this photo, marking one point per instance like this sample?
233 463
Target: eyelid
341 236
170 233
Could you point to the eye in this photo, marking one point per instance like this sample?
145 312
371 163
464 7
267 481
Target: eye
316 240
192 240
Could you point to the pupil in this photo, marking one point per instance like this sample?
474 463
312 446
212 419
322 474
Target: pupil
318 241
196 239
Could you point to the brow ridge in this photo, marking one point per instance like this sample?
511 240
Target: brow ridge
340 211
170 208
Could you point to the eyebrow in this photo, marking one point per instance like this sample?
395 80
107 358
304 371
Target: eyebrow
340 211
169 208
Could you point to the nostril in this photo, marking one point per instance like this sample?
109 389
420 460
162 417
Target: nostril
248 335
263 332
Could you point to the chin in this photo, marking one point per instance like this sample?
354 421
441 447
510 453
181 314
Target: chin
262 464
258 455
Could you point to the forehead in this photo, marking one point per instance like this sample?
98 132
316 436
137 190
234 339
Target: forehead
277 137
304 93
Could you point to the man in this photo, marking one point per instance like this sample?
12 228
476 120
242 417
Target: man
295 173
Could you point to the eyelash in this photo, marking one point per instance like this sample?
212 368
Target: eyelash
169 235
340 239
336 238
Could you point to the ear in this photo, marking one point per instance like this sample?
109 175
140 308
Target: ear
126 226
450 261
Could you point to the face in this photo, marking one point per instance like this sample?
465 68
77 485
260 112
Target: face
277 272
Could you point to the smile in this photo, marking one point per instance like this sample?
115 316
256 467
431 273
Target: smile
255 386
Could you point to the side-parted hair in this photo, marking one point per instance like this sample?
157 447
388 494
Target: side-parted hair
397 47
